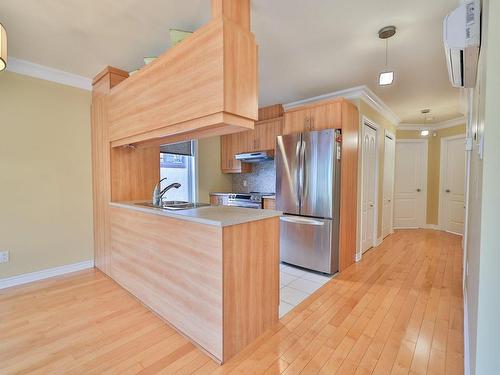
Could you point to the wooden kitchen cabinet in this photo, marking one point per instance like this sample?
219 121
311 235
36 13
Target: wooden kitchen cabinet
265 133
269 203
326 116
319 116
297 121
262 138
231 145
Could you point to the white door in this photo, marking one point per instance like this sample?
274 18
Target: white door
410 183
453 184
369 183
388 188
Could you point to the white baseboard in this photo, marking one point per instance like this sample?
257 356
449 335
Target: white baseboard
432 226
44 274
466 336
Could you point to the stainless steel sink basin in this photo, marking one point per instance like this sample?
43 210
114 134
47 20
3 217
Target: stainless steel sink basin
173 205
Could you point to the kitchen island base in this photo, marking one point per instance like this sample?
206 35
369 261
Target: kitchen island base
217 285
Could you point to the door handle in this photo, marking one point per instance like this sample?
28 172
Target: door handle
300 220
419 190
371 205
448 190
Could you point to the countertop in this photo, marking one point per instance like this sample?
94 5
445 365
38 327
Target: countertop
221 216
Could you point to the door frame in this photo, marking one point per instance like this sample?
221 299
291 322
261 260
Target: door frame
393 136
442 170
425 142
365 121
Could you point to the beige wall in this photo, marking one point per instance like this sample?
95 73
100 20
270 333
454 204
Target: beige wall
433 164
45 174
210 177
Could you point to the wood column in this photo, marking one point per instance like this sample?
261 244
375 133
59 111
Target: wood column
101 163
237 11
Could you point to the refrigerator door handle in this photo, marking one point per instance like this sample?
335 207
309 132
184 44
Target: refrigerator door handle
300 166
301 220
302 170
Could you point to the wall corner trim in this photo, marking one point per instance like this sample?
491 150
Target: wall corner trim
437 126
431 226
357 92
45 274
47 73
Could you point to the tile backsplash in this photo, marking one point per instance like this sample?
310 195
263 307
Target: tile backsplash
262 178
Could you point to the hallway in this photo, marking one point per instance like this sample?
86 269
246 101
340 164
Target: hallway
398 311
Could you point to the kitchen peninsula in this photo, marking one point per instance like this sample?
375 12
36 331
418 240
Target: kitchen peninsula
211 272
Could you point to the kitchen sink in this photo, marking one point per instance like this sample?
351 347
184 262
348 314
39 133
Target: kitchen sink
174 205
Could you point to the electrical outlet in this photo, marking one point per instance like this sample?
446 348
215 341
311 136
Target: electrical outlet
245 183
4 256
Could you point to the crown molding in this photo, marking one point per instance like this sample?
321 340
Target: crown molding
49 74
358 92
437 126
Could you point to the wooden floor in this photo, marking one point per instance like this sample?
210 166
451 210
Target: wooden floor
398 311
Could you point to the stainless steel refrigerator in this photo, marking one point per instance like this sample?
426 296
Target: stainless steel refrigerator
308 193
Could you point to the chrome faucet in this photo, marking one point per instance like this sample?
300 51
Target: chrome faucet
158 194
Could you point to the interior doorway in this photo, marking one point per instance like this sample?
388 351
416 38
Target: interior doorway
388 184
369 189
452 184
410 183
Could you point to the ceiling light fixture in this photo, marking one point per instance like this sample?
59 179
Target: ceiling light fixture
425 112
3 48
386 77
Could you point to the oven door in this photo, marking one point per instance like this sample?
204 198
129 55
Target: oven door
244 204
307 242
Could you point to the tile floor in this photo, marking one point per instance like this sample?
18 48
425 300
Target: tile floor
296 285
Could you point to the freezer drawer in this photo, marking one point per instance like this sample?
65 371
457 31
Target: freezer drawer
309 243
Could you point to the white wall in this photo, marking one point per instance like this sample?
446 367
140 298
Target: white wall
482 282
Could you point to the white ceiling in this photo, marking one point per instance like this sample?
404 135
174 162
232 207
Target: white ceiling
307 48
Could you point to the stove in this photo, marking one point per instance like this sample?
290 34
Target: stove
247 200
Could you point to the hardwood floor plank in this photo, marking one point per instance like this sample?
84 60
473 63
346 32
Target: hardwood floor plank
398 311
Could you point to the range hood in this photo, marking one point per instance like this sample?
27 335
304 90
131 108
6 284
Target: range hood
255 157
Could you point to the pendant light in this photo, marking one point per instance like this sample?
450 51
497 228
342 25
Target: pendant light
386 77
425 132
3 48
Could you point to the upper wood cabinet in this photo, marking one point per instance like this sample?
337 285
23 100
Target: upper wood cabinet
318 116
231 145
297 121
265 133
263 137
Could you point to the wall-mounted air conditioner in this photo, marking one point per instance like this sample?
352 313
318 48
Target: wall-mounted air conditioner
462 37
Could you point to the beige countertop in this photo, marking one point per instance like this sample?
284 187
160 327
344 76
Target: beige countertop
221 216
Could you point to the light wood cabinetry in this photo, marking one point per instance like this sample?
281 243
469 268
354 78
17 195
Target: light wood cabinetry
317 116
271 112
231 145
205 86
265 133
263 137
218 200
269 203
217 289
297 121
